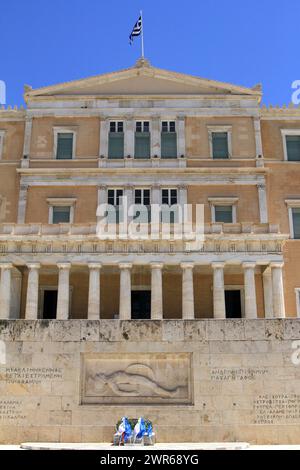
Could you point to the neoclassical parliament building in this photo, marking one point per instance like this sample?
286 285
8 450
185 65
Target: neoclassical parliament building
154 308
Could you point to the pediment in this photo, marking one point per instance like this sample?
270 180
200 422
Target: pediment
140 80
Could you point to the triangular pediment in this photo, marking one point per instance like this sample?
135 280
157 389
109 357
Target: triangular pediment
141 79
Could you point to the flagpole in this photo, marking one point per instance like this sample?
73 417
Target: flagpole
141 13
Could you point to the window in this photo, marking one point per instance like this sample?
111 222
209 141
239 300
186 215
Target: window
223 214
296 222
64 149
220 141
291 144
116 140
142 140
114 199
168 139
61 210
169 198
293 148
220 144
142 196
294 217
61 214
1 142
223 209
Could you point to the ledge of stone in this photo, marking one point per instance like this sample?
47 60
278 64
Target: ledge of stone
86 331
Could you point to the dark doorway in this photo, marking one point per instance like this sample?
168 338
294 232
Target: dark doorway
50 304
140 304
233 304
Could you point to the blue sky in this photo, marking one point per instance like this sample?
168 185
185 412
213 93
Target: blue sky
44 42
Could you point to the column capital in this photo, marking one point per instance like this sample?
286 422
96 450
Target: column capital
277 264
187 265
64 265
33 265
217 264
95 265
157 265
249 264
6 265
125 265
102 186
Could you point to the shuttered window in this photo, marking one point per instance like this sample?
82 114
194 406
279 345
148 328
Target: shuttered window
223 214
296 222
168 140
142 140
64 146
116 140
142 197
114 199
220 145
293 147
61 214
169 198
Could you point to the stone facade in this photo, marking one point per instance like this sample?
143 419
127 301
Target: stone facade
68 299
208 380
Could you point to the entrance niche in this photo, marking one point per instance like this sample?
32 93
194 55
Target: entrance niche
234 302
141 304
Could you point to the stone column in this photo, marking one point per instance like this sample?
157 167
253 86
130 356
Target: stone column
278 292
218 291
94 292
63 295
125 291
5 290
156 291
250 290
188 312
268 293
31 312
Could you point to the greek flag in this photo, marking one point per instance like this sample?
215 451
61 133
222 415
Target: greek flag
137 29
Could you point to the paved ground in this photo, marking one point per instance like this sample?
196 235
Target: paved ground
158 447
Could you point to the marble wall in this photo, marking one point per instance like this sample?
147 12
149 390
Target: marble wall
198 380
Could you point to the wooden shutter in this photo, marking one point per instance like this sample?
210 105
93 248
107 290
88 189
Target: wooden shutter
293 147
220 144
64 146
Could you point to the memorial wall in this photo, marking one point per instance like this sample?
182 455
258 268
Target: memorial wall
197 381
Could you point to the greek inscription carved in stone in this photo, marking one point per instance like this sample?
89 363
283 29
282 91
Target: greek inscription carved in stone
279 408
11 411
31 375
238 374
